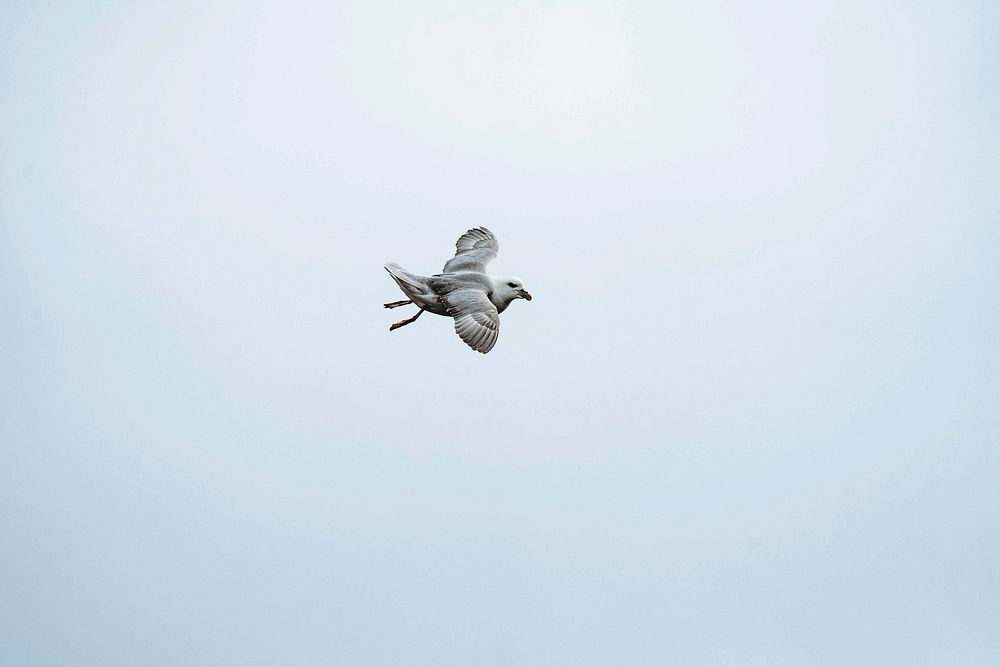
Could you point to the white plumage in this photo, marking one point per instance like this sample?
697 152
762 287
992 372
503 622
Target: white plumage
463 290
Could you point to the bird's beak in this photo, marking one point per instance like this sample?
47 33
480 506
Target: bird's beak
524 294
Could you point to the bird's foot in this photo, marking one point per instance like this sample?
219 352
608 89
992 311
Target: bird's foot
403 323
397 304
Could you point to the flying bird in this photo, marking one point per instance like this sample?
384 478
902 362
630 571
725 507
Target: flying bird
463 290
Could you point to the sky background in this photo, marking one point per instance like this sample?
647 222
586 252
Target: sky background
751 417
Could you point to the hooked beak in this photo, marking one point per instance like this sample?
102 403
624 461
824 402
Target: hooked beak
524 294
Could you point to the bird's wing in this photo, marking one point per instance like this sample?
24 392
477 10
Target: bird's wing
473 251
477 321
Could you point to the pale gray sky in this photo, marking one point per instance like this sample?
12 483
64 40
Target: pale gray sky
750 418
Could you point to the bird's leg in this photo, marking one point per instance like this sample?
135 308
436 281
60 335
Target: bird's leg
397 304
403 323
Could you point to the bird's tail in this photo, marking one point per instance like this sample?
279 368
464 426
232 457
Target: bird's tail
406 280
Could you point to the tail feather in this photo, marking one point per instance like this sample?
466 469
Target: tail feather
404 278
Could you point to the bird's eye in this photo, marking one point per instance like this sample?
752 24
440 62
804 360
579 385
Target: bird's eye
511 284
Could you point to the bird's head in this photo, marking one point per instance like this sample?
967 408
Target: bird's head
508 288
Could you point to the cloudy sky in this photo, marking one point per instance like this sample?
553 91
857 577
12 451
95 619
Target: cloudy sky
750 418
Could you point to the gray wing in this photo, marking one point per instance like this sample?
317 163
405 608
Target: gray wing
477 321
473 251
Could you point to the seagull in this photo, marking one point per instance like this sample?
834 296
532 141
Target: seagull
463 291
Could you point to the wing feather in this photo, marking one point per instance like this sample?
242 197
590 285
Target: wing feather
473 251
477 321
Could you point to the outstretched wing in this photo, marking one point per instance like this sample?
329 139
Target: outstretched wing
474 250
476 319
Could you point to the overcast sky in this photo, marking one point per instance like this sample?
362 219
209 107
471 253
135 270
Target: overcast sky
751 416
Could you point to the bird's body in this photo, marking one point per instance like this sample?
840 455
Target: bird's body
463 290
